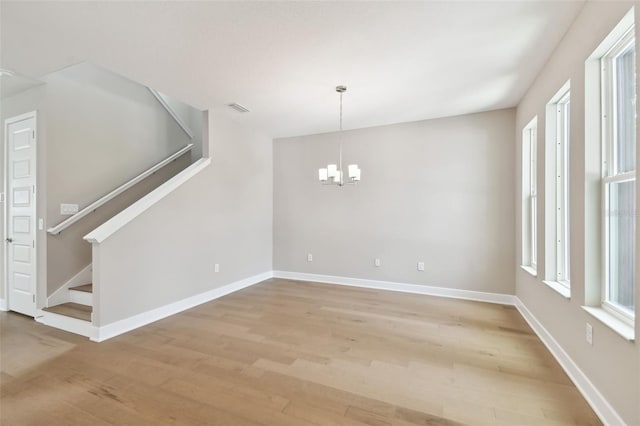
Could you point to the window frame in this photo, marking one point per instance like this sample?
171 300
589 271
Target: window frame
530 197
557 191
610 174
533 197
562 205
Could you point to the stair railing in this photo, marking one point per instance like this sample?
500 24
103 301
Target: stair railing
119 190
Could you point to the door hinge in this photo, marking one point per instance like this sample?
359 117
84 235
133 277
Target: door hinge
33 132
34 243
34 298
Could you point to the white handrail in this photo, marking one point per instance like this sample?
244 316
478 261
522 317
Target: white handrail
119 190
120 220
171 112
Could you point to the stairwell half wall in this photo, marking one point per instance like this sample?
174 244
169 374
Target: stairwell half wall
222 215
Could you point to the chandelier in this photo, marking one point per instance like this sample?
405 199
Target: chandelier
333 174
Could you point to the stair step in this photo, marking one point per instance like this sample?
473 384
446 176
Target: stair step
73 310
53 318
87 288
82 294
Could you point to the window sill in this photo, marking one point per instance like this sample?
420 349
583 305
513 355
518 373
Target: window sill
623 329
529 270
562 289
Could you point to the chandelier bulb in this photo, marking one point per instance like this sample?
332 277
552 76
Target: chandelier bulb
334 171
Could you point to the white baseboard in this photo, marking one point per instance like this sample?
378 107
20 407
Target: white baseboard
503 299
600 405
62 295
3 305
119 327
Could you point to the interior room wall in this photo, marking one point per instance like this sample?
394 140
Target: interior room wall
611 363
68 253
222 215
192 118
438 191
102 130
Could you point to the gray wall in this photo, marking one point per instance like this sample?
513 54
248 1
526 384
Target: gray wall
612 363
192 118
102 130
222 215
439 191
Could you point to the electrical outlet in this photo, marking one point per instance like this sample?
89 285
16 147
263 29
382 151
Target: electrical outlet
420 266
377 262
216 267
309 257
68 208
589 334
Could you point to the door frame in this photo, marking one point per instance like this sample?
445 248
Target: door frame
5 260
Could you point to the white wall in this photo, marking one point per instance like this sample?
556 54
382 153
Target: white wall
612 363
439 191
222 215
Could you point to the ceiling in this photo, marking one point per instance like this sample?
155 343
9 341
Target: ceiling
401 61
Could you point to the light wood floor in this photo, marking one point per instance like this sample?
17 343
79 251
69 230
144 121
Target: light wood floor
291 354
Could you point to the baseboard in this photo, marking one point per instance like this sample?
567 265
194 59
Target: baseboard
600 405
480 296
119 327
3 305
62 295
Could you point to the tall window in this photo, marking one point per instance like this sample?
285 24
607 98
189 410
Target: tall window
557 191
562 189
529 197
619 176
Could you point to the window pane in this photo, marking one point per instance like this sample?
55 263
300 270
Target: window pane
621 231
534 196
563 220
532 155
567 174
534 230
625 98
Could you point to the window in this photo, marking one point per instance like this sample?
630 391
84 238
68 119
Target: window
557 245
619 176
529 197
610 180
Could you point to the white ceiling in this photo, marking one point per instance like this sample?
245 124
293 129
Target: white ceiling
401 61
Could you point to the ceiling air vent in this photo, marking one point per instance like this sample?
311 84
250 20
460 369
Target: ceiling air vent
238 107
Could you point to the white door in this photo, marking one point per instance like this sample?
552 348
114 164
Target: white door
20 135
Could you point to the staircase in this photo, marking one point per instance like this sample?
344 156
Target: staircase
71 305
74 316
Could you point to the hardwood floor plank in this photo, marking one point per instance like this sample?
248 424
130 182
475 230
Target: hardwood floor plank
292 353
